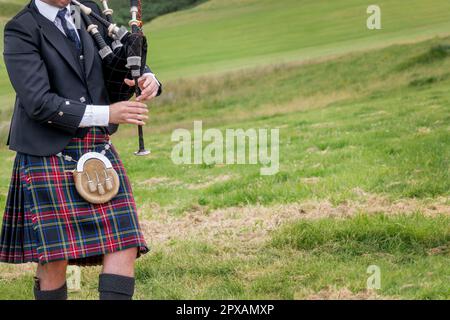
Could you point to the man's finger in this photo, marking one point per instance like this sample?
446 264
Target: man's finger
142 80
136 104
137 122
148 97
153 94
132 110
129 82
145 94
140 117
148 81
154 86
150 89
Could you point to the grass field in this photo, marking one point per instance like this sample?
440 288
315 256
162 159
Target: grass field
364 157
222 35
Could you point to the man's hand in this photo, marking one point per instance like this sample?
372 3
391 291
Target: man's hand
149 87
131 112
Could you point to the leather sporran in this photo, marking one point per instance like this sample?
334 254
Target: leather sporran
95 179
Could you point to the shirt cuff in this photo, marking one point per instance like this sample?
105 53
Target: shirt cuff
95 116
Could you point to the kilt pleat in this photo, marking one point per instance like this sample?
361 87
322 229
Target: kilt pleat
17 244
46 219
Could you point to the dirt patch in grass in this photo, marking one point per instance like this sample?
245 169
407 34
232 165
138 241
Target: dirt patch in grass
344 294
249 226
206 184
10 272
158 181
439 250
153 181
165 181
245 228
311 180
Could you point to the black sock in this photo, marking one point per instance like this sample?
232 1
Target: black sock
58 294
115 287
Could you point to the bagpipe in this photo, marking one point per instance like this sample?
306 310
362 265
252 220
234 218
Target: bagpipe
123 53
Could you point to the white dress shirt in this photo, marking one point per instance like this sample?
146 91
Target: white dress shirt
51 12
95 115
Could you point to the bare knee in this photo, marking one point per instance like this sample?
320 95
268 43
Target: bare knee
52 275
120 263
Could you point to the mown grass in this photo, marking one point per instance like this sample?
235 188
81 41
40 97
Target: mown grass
221 35
150 9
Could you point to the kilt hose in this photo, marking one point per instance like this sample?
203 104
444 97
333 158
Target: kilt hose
47 220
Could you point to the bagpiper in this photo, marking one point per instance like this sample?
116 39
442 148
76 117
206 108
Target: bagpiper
70 200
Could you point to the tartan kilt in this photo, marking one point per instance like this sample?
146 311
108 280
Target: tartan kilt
46 219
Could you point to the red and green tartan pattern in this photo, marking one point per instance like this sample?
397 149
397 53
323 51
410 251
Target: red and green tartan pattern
47 220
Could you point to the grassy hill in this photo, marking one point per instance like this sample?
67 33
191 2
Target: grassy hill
365 153
220 35
150 9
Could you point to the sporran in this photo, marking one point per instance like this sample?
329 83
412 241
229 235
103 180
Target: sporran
95 178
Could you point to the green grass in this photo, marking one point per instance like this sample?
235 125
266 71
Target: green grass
221 35
374 125
297 262
150 9
380 124
307 258
367 235
368 123
275 271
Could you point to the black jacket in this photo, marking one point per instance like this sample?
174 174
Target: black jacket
52 87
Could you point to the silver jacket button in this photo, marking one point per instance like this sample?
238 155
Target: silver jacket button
82 99
60 113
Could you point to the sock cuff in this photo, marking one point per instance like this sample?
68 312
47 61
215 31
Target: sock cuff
116 284
57 294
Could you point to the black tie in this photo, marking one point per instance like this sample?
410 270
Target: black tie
70 33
